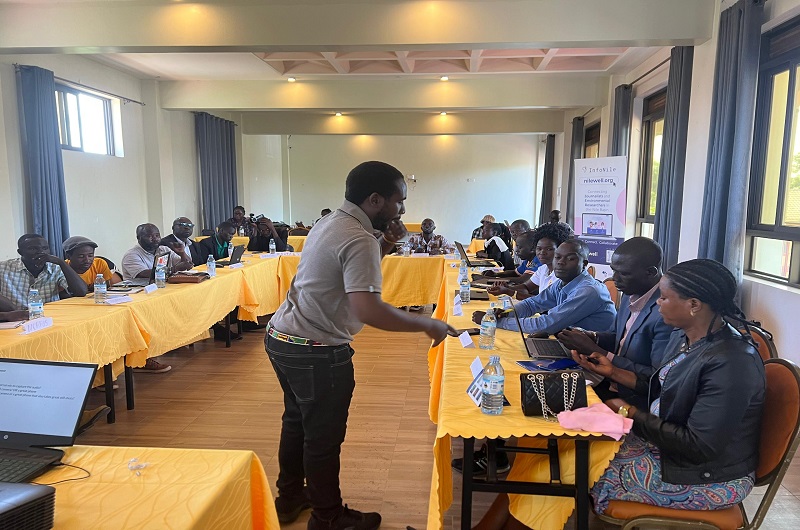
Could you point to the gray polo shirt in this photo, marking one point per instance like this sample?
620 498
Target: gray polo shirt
138 259
340 256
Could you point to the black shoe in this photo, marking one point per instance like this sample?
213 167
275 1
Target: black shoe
289 509
219 333
247 325
480 463
347 520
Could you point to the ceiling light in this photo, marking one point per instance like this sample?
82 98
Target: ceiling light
291 79
444 78
338 113
443 113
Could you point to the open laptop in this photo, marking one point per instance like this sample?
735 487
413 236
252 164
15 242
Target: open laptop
542 348
41 404
160 259
236 257
474 263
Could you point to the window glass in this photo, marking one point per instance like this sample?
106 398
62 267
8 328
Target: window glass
73 121
657 137
93 124
771 256
772 171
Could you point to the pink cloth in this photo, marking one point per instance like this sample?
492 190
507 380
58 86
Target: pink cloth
596 418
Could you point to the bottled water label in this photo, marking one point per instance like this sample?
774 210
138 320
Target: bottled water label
494 384
36 310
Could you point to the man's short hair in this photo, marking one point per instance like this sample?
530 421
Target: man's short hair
27 237
581 248
225 225
141 227
371 177
239 208
522 224
643 251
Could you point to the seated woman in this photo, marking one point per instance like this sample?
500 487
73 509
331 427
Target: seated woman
697 446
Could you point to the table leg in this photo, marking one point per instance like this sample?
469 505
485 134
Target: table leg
582 484
129 386
466 484
228 330
108 374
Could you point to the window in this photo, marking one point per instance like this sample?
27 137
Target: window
84 121
773 218
591 141
652 136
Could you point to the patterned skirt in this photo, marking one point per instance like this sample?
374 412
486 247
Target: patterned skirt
635 475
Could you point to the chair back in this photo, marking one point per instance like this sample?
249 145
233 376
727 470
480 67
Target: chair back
590 270
298 232
206 232
780 425
764 342
616 295
110 263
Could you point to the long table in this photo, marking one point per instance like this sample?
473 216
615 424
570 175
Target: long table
177 489
583 455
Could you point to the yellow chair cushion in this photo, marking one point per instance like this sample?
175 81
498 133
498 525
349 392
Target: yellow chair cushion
726 519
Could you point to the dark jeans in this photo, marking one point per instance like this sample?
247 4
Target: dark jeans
317 383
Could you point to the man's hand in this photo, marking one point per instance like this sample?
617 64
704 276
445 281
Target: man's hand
477 316
577 340
176 246
395 231
54 259
499 289
439 330
13 316
490 274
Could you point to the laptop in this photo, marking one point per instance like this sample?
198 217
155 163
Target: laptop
542 348
41 404
236 257
474 263
160 259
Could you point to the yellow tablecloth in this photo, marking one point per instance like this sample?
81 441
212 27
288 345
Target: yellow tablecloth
297 242
456 415
475 245
237 240
179 488
413 227
261 275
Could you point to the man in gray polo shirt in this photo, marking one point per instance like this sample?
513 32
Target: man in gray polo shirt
335 292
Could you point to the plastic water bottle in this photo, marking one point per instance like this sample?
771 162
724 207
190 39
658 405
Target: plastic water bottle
456 254
35 304
494 382
100 290
463 271
463 291
211 266
272 246
241 231
230 249
488 328
161 277
406 249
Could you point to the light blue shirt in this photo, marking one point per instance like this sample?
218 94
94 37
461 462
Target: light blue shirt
584 302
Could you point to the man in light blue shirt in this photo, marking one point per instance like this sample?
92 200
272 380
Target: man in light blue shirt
574 299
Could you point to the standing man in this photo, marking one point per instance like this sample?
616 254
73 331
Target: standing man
335 292
427 241
182 229
243 225
36 268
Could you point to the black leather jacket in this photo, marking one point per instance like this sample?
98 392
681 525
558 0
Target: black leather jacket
710 411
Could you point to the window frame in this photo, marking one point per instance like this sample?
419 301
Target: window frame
649 118
64 119
591 137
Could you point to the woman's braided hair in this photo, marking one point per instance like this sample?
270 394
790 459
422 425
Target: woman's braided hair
710 282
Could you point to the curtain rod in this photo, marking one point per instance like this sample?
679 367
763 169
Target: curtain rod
650 71
123 98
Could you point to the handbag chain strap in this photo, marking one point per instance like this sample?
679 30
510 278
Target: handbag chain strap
537 381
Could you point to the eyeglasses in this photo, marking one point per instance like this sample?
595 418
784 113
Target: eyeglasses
186 225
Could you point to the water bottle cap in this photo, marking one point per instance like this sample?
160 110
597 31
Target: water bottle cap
494 359
34 290
99 277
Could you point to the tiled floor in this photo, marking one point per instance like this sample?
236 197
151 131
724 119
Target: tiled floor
218 398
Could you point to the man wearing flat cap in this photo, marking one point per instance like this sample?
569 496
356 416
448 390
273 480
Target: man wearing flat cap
478 232
79 251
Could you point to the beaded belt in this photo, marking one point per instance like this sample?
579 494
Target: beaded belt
291 339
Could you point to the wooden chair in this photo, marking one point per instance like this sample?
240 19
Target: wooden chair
298 232
590 270
616 294
766 346
778 443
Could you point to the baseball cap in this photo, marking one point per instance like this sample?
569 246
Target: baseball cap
77 241
488 219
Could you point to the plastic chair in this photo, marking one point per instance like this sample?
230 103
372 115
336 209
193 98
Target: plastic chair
616 295
778 443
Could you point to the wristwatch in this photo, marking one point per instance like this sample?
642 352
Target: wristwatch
623 411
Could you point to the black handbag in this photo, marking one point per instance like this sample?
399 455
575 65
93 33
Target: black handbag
548 393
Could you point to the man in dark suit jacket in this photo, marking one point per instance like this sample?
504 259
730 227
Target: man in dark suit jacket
217 244
640 335
182 229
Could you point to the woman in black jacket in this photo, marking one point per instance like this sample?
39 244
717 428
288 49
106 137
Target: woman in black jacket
696 448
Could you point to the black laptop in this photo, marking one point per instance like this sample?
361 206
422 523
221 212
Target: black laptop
542 348
474 263
236 257
41 404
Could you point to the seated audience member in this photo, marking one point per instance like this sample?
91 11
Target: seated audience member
79 251
520 226
323 213
266 233
242 225
182 229
217 244
36 268
138 261
497 248
574 299
478 232
427 241
547 239
555 218
640 335
524 250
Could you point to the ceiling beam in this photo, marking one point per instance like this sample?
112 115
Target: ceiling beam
405 63
341 67
547 58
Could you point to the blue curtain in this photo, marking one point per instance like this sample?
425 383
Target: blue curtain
41 154
623 112
547 185
216 152
575 153
673 154
731 135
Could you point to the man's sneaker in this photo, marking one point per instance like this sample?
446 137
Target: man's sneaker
480 463
347 520
289 509
153 367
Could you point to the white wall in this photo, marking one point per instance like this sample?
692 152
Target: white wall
501 170
262 175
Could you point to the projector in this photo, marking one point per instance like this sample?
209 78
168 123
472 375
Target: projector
26 506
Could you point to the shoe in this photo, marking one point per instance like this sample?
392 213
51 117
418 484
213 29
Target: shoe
290 509
347 520
90 417
219 333
153 367
247 325
480 463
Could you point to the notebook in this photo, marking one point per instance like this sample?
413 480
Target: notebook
42 402
474 263
236 257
